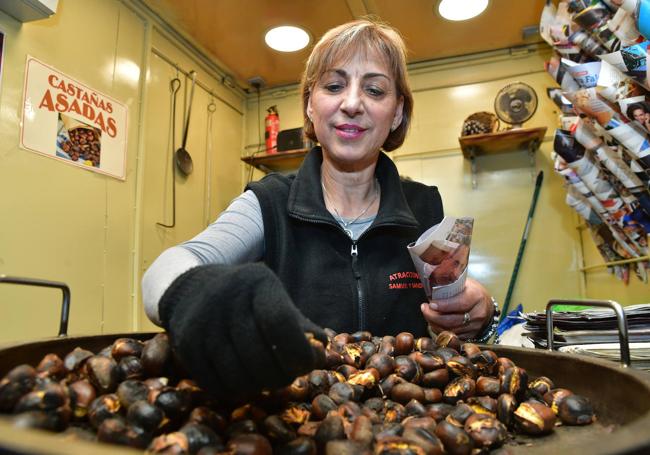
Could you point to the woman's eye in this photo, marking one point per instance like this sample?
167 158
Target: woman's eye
374 91
333 87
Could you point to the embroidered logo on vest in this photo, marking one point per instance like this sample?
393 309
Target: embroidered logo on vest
404 280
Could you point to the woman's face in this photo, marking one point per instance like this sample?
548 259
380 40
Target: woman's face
639 115
353 107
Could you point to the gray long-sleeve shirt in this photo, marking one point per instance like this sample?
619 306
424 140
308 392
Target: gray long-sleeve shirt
236 237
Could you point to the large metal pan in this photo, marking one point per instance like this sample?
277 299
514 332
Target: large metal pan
621 397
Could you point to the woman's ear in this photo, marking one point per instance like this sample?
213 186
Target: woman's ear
309 110
399 112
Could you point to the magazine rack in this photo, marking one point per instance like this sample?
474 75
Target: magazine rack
501 142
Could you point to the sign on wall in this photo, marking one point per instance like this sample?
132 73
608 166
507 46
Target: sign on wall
64 119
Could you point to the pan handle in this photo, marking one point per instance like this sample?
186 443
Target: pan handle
65 304
623 337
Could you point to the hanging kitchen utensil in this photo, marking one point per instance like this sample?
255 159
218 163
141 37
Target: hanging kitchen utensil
183 158
174 85
212 107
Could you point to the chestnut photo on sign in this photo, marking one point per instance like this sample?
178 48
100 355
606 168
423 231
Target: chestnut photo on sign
451 267
78 141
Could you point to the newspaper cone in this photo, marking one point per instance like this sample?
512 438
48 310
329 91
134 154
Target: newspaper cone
441 255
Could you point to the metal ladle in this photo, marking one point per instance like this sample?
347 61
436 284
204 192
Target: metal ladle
183 158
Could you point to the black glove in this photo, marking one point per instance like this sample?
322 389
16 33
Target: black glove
236 330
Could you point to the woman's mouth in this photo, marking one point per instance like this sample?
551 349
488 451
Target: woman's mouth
347 131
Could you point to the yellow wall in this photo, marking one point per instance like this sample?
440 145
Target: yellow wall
445 93
99 234
93 232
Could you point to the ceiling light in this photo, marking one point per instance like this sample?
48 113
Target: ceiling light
287 38
460 10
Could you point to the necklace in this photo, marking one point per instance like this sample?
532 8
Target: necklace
344 223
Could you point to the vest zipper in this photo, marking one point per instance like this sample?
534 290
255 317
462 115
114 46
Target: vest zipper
354 252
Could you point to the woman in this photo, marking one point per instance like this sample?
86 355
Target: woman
640 113
332 237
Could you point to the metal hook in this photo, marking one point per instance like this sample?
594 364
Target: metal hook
174 85
212 107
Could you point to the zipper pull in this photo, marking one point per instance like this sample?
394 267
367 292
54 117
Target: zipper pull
353 251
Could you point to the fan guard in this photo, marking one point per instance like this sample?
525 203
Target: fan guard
515 103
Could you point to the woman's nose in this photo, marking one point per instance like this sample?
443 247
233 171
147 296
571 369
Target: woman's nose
352 103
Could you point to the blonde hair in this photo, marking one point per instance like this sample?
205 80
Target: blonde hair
361 36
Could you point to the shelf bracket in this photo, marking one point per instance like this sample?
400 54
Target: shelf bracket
472 159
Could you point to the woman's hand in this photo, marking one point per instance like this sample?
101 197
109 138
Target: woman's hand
449 314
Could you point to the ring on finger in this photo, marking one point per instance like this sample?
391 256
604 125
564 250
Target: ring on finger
466 318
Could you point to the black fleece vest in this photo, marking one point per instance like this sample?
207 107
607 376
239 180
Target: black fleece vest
370 284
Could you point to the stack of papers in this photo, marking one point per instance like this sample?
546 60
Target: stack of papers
639 352
594 332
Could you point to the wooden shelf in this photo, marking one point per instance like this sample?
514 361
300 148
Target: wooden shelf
502 142
277 162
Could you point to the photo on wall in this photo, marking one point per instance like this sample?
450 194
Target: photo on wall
78 141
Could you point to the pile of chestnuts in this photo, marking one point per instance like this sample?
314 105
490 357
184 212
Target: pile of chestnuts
83 143
374 395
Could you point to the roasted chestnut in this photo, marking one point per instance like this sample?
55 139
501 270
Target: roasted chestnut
300 446
321 405
488 386
331 428
455 439
84 394
131 391
576 410
123 347
423 438
459 389
404 343
51 366
437 378
415 408
102 408
383 363
145 415
103 373
346 447
14 385
156 355
425 344
459 414
342 392
171 443
130 367
506 407
427 360
534 418
393 412
199 436
367 378
362 430
76 359
514 381
407 391
555 397
439 411
485 431
448 339
461 366
407 368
